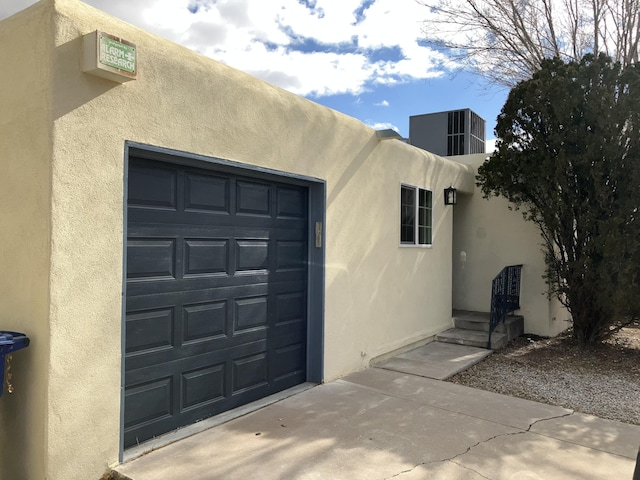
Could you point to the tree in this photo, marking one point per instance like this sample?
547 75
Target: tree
568 156
507 40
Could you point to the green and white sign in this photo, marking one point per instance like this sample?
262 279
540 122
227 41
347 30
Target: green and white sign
117 54
109 57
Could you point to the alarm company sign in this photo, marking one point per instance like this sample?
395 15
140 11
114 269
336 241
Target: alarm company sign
109 57
117 53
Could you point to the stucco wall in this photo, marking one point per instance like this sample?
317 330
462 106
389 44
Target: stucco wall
25 150
487 237
379 296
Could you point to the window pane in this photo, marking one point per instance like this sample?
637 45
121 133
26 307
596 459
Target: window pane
425 219
407 215
425 198
408 196
424 235
407 234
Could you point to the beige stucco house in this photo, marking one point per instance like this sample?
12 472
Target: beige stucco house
195 239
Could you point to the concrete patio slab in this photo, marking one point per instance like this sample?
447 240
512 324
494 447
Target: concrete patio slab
337 430
436 360
531 456
493 407
380 424
446 470
593 432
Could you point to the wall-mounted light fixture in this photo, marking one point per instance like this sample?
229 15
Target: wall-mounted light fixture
450 196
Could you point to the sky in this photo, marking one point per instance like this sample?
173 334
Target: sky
364 58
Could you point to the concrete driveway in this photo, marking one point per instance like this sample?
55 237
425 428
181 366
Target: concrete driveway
381 424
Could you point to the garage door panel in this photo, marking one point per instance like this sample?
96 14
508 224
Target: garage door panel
250 313
152 187
206 256
291 203
289 333
288 361
291 306
204 321
151 257
207 193
148 401
249 372
216 294
291 255
149 330
251 254
202 386
289 341
253 198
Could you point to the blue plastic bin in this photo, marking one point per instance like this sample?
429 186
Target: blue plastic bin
9 343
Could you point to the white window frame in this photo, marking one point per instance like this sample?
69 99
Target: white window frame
417 225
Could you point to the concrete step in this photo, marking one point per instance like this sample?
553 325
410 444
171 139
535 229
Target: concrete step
513 325
473 338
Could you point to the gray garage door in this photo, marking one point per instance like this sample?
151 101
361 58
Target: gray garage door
216 307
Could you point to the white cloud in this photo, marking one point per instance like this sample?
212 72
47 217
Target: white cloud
318 51
382 126
383 103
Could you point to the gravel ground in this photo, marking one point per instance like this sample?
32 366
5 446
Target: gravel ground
603 380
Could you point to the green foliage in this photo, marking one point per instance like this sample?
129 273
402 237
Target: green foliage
568 156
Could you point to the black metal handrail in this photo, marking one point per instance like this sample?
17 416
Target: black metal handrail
505 296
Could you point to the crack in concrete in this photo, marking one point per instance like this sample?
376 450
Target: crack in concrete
434 462
550 418
484 441
408 470
452 459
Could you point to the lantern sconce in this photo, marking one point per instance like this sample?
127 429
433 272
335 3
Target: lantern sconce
450 195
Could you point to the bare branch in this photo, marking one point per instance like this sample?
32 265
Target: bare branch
506 40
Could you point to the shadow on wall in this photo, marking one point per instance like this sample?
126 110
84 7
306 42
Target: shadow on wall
81 88
400 282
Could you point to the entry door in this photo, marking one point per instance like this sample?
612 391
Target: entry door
216 304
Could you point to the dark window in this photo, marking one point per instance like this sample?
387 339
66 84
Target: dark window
424 217
416 216
407 215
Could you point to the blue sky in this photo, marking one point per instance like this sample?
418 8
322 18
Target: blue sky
364 58
394 104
